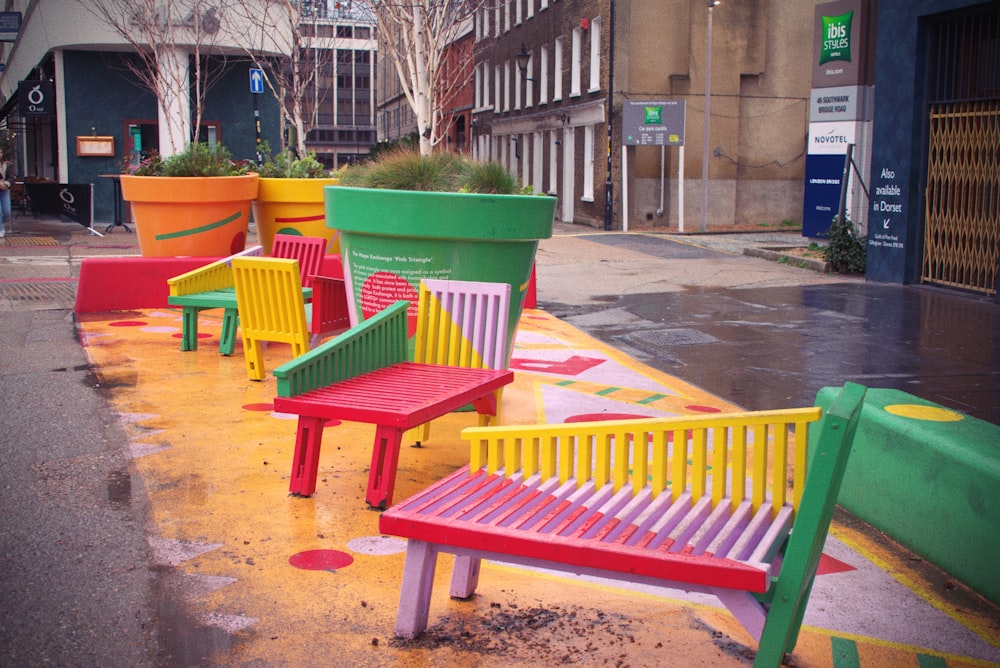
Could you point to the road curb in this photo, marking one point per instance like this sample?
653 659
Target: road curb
776 254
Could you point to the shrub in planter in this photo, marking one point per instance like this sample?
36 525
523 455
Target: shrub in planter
196 202
290 198
407 217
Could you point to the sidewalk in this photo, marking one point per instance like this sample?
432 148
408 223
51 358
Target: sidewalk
180 453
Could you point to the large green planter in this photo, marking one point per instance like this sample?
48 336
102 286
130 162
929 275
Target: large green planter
391 239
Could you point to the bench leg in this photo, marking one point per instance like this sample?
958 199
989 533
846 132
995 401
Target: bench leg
253 354
385 458
464 576
305 461
781 632
488 408
747 610
227 339
415 590
189 328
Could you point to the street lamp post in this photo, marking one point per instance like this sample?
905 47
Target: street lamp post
708 110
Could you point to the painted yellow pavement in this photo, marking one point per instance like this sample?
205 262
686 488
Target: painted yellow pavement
310 582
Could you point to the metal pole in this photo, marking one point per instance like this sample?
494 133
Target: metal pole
708 112
842 204
608 186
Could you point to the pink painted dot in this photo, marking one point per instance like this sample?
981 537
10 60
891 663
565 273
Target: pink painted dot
321 560
201 335
703 409
258 407
128 323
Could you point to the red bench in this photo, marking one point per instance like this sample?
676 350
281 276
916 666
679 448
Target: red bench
695 503
363 375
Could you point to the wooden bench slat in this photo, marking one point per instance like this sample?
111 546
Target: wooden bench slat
731 532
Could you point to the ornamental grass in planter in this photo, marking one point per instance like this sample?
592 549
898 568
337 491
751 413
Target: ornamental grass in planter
290 199
407 217
193 203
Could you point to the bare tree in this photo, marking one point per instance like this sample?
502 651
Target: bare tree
169 37
288 28
415 35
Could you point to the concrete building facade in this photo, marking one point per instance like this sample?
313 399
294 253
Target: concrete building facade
586 59
88 70
344 94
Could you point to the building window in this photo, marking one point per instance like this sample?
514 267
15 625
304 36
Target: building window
536 157
588 163
574 64
531 9
543 69
477 84
529 85
557 63
595 55
496 89
506 86
517 87
518 8
486 85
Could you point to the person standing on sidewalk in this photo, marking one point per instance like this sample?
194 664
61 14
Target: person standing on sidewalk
6 176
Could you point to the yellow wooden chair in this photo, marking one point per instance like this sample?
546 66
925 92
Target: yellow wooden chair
271 308
463 324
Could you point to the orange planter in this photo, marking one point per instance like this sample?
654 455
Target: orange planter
293 206
204 216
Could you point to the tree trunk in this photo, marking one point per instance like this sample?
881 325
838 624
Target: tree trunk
421 87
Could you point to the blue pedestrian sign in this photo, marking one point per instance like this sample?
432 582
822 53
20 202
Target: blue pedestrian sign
256 80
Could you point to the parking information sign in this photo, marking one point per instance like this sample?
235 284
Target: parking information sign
653 123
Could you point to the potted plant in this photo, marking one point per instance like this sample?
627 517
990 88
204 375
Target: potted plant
290 198
194 203
405 217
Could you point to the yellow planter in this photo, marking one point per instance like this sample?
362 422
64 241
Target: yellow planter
202 216
293 206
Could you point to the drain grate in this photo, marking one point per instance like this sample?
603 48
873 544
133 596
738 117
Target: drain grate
29 294
30 241
671 337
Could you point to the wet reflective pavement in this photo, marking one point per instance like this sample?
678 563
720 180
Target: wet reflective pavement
769 347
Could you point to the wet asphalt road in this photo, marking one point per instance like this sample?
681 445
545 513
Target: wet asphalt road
765 347
75 584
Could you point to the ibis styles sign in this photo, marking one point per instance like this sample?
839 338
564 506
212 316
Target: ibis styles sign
844 52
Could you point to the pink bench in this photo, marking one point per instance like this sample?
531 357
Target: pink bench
694 503
363 375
